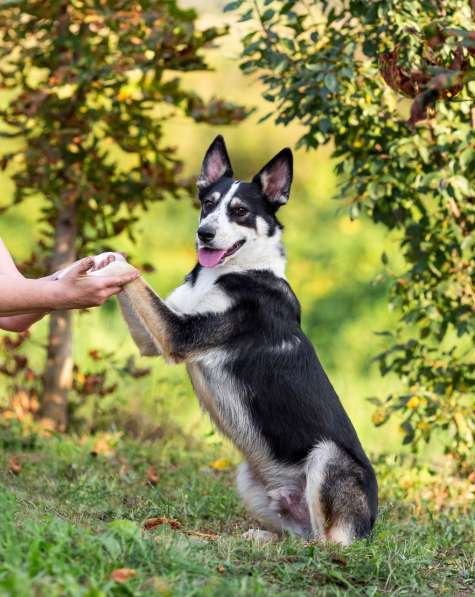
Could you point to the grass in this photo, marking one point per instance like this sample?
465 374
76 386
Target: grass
70 518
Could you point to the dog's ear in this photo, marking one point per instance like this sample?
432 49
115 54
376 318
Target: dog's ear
215 165
275 178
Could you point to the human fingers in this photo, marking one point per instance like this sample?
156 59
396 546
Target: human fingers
114 289
79 268
121 280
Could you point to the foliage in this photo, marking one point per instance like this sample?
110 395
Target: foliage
319 64
92 383
71 520
93 86
92 81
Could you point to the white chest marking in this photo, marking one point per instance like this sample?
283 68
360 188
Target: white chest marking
203 297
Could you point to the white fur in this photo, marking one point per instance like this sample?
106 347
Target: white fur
264 503
259 536
341 533
228 410
218 221
256 498
318 461
203 297
288 345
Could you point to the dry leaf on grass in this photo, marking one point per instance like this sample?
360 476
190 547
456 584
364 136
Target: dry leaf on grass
122 575
152 475
221 464
105 444
210 535
14 466
153 523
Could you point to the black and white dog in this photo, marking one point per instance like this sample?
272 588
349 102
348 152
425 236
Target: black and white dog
236 323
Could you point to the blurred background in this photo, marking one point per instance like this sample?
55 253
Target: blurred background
334 263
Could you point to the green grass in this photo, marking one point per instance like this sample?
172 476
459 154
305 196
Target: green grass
70 518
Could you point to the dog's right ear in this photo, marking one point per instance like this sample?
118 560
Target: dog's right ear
215 165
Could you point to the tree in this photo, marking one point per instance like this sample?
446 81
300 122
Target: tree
94 82
322 64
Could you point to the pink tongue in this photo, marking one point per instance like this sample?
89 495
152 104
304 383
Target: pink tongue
209 257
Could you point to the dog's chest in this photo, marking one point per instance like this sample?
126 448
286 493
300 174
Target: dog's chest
204 296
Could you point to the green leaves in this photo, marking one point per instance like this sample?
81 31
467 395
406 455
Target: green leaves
90 87
230 6
419 181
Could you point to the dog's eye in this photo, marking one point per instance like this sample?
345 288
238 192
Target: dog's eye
208 204
240 211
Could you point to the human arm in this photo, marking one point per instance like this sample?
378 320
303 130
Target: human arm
23 301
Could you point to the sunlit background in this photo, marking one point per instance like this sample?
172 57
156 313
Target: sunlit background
334 263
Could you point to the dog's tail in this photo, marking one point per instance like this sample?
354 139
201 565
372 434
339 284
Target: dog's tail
341 495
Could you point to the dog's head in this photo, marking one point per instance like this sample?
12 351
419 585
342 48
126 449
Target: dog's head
238 219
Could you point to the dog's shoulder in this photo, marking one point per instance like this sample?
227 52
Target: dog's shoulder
262 288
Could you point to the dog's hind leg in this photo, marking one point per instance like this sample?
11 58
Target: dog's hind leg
278 509
256 498
339 494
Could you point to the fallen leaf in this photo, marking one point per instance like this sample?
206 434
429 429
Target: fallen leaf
211 535
14 466
220 464
153 523
122 574
105 443
152 475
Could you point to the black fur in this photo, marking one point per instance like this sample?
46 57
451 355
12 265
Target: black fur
289 396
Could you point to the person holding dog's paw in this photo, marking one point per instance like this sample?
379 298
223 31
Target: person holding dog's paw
24 301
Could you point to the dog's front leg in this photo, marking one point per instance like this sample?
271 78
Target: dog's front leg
181 337
158 329
141 335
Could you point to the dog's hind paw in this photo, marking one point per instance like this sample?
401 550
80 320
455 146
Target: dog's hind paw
260 536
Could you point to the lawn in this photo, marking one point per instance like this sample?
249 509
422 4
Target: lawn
75 512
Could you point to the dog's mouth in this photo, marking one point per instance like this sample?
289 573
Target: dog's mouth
212 257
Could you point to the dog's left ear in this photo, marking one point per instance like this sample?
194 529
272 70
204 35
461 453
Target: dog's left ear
275 178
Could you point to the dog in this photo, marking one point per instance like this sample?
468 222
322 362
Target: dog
235 322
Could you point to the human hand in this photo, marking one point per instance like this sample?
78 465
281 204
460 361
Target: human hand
76 290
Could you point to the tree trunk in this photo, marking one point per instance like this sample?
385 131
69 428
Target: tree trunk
59 363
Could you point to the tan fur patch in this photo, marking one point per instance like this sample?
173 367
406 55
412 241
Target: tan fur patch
138 293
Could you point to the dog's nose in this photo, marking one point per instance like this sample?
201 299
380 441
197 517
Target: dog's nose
205 234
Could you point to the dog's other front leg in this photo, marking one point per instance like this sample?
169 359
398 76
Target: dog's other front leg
182 337
158 329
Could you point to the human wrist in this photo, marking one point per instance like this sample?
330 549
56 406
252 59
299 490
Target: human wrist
54 295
